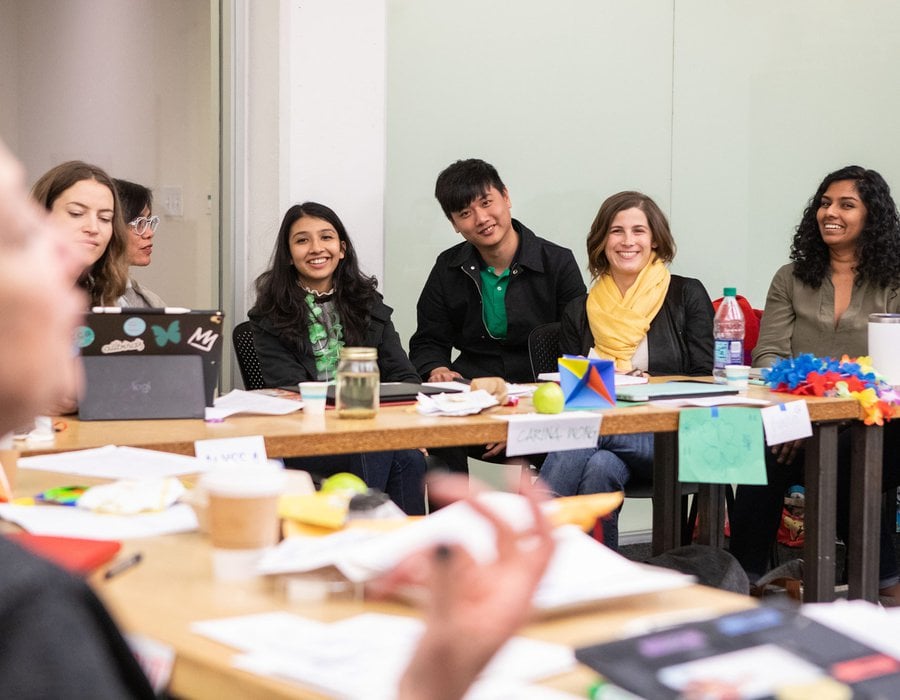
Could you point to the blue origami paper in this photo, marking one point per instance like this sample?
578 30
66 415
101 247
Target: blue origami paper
587 382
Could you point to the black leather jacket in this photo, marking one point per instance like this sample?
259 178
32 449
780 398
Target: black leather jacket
680 339
543 279
284 363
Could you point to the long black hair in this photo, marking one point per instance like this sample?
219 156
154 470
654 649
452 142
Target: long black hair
280 297
878 247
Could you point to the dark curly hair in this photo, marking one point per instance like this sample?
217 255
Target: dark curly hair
878 247
280 298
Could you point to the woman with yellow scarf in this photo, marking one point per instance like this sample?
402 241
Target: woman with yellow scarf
643 318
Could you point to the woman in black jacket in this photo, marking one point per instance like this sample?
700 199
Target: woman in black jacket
313 301
644 319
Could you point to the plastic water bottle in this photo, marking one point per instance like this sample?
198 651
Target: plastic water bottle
728 330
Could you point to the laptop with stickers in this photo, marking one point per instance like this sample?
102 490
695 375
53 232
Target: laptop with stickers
149 363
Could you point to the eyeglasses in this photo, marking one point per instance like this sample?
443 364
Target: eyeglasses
142 223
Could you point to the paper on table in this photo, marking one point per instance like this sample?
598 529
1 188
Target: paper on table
721 446
457 404
75 522
581 571
865 622
362 656
726 400
116 463
238 401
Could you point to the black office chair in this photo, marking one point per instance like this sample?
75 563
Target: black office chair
543 348
248 362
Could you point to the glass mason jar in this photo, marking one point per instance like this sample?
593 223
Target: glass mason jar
357 383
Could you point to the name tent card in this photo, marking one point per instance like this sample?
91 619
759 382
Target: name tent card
535 433
721 446
232 451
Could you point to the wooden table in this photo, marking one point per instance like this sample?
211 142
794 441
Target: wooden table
820 469
399 427
172 587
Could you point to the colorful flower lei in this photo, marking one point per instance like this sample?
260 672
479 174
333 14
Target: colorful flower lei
808 375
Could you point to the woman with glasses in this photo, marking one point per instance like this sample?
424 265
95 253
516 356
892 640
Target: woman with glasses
82 201
310 303
137 210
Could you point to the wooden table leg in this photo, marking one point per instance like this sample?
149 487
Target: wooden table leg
865 511
711 513
666 493
819 517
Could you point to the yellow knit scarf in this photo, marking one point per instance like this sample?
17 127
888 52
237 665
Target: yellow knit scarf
619 323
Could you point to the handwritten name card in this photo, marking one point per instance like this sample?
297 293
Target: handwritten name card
535 433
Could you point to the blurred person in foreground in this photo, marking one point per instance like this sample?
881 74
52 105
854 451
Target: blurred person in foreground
53 620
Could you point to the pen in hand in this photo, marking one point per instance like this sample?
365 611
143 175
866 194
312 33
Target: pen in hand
124 565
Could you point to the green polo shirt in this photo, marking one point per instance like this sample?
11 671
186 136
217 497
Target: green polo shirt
493 299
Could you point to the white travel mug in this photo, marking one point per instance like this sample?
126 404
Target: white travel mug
884 346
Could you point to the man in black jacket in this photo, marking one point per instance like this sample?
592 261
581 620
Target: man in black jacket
485 295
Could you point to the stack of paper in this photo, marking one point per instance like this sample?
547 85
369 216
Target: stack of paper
582 570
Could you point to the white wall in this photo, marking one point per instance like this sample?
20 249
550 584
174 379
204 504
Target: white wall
125 84
728 114
769 97
315 122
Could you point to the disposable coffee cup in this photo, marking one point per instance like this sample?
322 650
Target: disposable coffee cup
737 376
314 395
9 466
242 516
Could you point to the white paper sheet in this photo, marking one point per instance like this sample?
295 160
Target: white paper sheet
362 656
68 521
113 462
786 421
238 401
865 622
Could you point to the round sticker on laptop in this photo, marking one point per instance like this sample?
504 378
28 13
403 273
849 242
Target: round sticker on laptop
84 336
134 326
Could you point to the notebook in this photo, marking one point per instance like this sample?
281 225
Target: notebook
672 390
399 392
149 363
76 554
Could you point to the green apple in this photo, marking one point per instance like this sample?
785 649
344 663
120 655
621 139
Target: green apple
344 481
548 398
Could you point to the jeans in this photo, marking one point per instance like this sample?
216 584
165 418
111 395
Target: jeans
757 509
604 469
398 473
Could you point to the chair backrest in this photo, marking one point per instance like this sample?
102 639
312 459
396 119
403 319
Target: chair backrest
752 321
248 362
543 348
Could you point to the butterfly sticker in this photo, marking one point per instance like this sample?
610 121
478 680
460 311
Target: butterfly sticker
162 336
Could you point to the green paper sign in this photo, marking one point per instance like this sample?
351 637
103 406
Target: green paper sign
721 445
